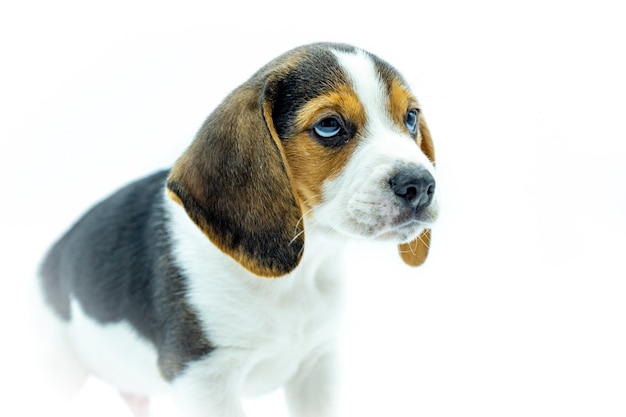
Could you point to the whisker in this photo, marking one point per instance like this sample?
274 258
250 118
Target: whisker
412 245
425 243
299 233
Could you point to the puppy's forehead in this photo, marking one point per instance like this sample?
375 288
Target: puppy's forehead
332 64
320 69
365 79
313 72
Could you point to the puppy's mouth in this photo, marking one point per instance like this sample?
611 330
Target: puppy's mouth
403 230
387 222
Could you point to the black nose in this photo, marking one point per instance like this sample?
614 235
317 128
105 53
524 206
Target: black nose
415 186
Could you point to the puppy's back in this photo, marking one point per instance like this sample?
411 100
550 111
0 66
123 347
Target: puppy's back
105 260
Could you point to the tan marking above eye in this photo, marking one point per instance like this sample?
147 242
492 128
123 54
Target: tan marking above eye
341 101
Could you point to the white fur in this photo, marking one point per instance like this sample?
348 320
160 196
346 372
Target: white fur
115 353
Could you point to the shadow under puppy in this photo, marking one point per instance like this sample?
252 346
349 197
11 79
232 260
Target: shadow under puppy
162 286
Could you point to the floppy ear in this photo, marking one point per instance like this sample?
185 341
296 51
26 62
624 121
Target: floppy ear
234 183
414 253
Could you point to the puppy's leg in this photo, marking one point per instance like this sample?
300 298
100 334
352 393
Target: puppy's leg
59 379
138 404
312 392
55 374
211 387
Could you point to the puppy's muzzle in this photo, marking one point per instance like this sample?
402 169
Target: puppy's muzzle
414 186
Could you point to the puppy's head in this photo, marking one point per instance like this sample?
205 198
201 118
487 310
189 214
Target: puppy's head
326 131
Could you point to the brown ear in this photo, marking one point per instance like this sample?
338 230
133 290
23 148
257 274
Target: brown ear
414 253
234 184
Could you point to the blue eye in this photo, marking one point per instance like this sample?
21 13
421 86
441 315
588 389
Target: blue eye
328 127
411 121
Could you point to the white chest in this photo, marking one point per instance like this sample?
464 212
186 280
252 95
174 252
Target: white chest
278 322
284 336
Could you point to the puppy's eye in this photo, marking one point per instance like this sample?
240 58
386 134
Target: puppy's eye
411 121
328 127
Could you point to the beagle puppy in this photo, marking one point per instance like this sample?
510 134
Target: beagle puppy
220 278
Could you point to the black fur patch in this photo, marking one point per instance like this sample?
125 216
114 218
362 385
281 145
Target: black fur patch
116 261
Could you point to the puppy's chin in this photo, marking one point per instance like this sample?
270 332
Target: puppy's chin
382 222
401 234
393 235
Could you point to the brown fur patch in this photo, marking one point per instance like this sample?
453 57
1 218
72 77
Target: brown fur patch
342 101
426 140
175 197
400 102
310 162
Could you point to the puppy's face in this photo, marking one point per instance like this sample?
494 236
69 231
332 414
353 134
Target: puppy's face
326 132
356 145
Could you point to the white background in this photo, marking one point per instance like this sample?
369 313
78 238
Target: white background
521 307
